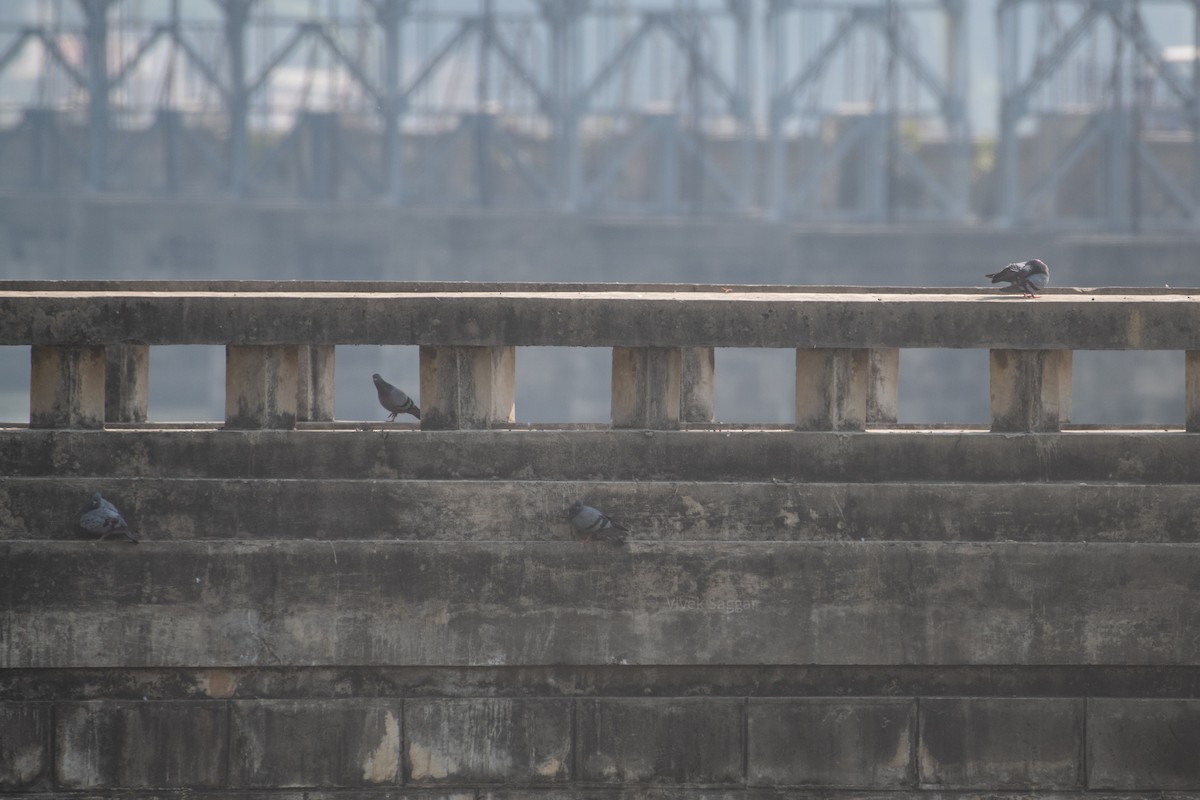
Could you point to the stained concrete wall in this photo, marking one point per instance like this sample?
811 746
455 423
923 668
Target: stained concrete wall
346 613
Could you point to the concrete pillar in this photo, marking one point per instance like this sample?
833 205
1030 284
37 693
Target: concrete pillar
1066 364
126 382
467 387
883 385
314 382
645 387
66 387
831 389
260 386
1027 389
1191 379
697 390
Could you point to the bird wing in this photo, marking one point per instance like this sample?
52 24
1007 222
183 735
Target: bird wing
611 535
1011 273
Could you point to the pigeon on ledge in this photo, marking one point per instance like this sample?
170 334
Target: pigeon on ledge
1027 277
103 518
591 523
394 400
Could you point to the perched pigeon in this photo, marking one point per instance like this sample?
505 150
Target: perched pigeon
394 400
1027 277
103 518
590 522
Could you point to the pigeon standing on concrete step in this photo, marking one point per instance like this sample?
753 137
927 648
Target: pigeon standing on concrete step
592 523
103 518
1028 277
394 400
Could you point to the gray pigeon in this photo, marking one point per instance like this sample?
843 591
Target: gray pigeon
394 400
1027 277
591 523
103 518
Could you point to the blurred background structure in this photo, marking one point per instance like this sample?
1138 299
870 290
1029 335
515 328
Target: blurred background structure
861 110
902 142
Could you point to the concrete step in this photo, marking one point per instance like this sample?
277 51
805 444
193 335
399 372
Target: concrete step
790 456
212 604
180 509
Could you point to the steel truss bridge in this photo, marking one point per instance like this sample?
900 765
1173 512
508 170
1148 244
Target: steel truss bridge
790 109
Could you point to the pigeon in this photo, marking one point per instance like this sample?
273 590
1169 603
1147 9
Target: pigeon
590 522
394 400
103 518
1026 277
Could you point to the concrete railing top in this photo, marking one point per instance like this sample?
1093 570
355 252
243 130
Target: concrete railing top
90 343
582 316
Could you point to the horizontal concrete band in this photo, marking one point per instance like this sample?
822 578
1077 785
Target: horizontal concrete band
1142 457
82 604
425 287
1168 321
169 509
868 743
298 682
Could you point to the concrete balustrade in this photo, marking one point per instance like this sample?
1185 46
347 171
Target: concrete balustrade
90 357
815 612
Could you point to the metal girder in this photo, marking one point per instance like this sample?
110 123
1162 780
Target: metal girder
1112 130
883 23
663 130
561 104
237 63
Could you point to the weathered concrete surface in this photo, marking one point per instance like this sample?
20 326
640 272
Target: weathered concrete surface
1146 457
488 741
315 365
883 387
680 740
974 743
1143 744
171 509
343 743
1027 389
645 387
66 387
126 383
1192 390
656 791
831 389
442 286
1166 321
24 745
870 744
697 384
140 745
37 688
261 386
183 604
865 744
467 387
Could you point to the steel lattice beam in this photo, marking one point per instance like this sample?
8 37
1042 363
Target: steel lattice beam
1112 130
